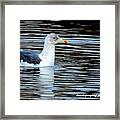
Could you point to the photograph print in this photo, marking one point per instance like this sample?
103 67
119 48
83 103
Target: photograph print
59 59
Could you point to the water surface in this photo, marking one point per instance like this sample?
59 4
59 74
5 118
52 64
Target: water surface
76 74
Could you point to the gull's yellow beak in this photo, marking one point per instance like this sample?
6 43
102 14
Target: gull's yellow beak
62 41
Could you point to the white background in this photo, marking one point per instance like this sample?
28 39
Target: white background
106 104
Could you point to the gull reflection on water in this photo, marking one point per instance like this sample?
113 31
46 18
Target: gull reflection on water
46 81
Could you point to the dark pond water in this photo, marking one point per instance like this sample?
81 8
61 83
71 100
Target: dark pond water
76 74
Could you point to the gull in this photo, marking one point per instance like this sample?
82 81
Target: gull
47 57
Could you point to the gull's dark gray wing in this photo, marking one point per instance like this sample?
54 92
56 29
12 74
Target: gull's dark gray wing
29 57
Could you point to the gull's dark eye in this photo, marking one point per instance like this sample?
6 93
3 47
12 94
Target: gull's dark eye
54 38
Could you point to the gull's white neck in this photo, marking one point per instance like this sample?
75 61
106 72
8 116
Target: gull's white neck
47 55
